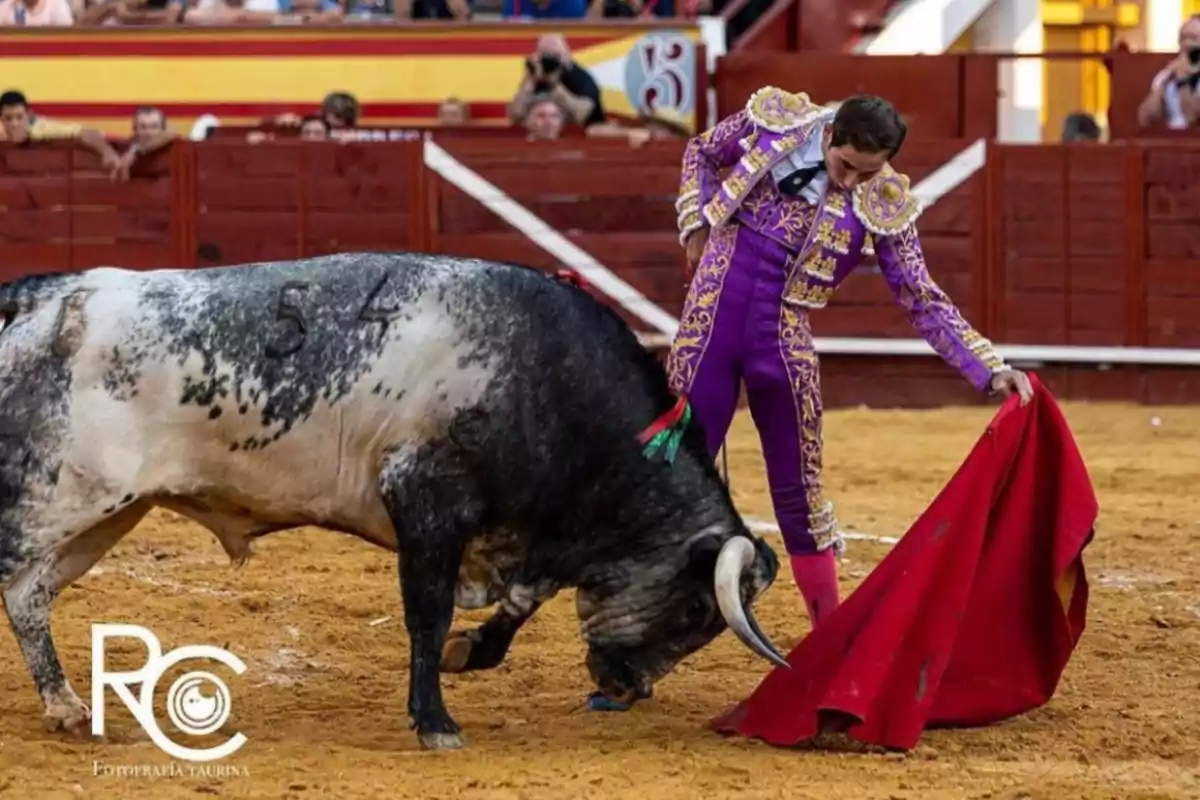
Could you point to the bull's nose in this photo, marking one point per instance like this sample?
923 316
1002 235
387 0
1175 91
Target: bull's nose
613 690
625 697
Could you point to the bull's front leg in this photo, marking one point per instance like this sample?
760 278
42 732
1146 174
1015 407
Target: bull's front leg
486 646
433 504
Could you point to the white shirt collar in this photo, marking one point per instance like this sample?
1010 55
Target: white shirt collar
809 156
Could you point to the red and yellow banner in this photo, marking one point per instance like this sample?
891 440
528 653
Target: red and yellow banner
399 74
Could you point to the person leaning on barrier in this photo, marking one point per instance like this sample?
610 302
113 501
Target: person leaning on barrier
339 109
545 119
150 135
657 125
453 111
19 125
313 128
1174 96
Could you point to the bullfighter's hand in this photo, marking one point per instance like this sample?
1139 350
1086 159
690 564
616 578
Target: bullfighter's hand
1013 380
695 246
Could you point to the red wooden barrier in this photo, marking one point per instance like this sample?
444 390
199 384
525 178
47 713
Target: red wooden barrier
942 96
614 202
390 134
1048 245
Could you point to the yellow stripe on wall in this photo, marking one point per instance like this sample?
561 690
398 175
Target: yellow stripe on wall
287 80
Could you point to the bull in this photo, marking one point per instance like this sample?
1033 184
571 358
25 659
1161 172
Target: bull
479 419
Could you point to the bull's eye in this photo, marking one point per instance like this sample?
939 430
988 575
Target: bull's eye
697 611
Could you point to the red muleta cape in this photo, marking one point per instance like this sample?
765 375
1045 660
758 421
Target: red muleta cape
970 619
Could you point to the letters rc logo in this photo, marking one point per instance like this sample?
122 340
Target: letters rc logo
191 711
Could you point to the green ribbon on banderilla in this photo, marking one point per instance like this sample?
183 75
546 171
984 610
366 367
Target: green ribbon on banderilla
661 439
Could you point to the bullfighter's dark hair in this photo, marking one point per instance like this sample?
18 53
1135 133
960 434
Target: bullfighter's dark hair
13 98
869 124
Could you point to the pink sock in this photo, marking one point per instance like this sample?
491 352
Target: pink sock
817 576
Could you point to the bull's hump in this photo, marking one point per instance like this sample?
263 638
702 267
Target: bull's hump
262 349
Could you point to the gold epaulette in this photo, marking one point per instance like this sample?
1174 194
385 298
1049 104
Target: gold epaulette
777 111
885 204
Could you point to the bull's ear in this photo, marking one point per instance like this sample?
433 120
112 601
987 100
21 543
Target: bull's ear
766 564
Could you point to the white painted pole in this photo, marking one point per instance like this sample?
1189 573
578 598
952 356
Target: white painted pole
923 27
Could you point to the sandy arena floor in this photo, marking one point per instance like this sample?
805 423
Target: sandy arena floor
322 703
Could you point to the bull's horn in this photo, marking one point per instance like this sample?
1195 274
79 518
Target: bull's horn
736 556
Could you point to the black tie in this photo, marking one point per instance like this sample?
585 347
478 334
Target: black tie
793 184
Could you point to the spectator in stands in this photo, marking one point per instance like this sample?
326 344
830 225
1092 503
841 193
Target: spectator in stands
545 119
544 9
1080 127
664 125
225 12
150 135
36 13
661 124
453 111
435 9
20 126
149 125
314 128
1174 97
142 12
340 110
551 70
370 10
317 11
629 9
263 12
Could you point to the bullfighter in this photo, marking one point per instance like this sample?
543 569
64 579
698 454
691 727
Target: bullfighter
809 191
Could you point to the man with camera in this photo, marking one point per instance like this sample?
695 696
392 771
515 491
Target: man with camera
1174 97
551 72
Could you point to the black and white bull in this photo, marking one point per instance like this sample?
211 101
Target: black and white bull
480 419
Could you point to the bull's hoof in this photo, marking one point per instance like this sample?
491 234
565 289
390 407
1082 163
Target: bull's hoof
76 722
441 741
456 653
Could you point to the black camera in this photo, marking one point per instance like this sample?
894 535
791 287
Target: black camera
551 63
1194 56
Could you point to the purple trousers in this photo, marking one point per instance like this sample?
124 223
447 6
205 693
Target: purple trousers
736 328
